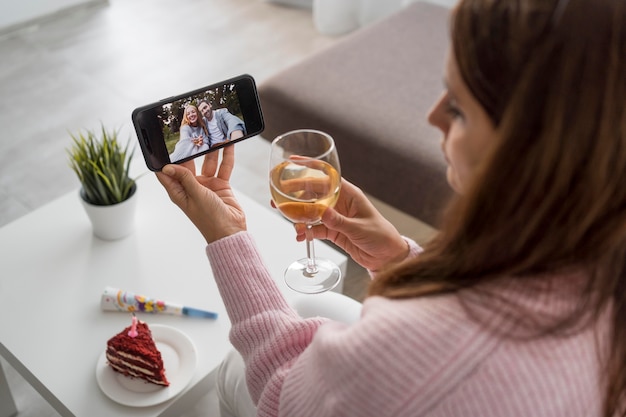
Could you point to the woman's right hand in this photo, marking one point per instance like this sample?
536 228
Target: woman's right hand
356 226
208 196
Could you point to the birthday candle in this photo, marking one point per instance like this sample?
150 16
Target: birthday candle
133 327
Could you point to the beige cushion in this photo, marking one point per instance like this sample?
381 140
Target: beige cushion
371 91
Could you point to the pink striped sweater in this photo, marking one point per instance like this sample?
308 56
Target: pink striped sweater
414 357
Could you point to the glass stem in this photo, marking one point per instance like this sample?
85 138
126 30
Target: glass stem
311 267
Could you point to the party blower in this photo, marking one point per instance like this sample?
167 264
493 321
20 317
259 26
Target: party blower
114 299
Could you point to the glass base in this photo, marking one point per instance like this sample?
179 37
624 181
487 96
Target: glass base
326 278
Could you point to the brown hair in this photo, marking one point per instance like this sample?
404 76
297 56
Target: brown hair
551 194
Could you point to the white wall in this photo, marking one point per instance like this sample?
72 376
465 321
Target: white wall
14 12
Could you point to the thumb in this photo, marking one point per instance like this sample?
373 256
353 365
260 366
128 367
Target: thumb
182 175
179 183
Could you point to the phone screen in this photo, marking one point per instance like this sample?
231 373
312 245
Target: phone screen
186 126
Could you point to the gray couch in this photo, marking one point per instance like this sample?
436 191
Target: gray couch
372 91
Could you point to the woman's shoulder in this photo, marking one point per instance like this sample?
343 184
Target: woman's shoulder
435 319
436 327
435 351
403 349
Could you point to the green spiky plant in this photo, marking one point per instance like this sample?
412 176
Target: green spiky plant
102 166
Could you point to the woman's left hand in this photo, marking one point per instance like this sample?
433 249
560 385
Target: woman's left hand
207 199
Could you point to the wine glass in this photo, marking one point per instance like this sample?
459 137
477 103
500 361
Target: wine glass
305 179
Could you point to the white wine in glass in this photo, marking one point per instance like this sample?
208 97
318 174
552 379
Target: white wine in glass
305 179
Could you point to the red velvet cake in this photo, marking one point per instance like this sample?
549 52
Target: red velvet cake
133 352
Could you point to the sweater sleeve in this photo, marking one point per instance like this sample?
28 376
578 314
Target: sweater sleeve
267 332
414 251
184 147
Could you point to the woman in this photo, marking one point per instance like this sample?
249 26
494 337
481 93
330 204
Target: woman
517 307
194 136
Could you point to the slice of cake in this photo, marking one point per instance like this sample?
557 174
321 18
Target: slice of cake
132 352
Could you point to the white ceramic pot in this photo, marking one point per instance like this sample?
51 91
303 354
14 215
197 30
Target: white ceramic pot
112 222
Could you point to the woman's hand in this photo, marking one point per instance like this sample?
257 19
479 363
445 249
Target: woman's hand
358 228
207 199
197 140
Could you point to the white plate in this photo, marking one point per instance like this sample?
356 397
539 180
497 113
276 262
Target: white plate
179 359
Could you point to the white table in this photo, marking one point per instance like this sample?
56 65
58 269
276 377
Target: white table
53 271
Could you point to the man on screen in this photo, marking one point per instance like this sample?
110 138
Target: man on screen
223 126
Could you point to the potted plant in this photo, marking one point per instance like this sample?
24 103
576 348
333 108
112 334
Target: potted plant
107 190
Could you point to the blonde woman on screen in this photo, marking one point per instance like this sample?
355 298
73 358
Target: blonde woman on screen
194 136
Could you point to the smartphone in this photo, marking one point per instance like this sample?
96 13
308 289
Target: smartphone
183 127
